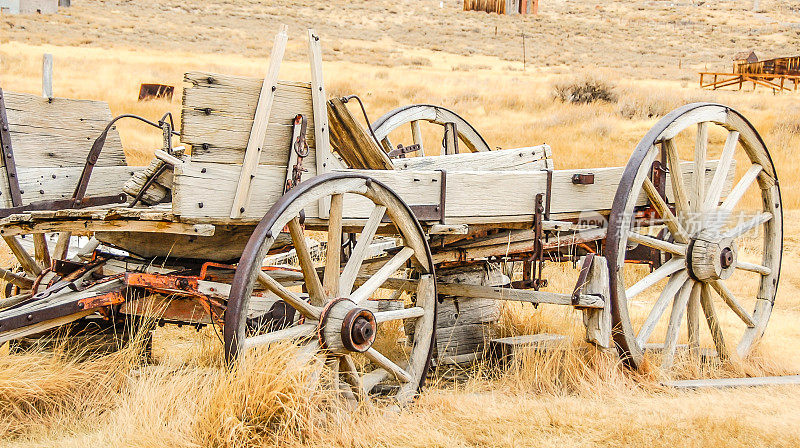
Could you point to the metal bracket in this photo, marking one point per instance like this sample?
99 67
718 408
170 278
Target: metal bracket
401 150
583 179
8 156
549 197
432 212
582 277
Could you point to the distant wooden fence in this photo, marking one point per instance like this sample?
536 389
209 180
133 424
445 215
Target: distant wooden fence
503 6
777 66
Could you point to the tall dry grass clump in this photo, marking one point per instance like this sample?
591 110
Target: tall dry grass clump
272 396
584 90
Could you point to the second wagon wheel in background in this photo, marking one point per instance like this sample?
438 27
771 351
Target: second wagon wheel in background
413 123
371 352
722 246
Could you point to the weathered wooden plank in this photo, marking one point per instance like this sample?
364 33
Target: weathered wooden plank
734 382
319 103
532 158
203 190
226 243
258 130
88 226
505 349
463 204
59 132
40 184
218 112
352 142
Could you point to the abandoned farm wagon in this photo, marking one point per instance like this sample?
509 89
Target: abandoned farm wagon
282 218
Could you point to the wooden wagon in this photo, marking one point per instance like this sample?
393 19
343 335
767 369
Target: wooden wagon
379 233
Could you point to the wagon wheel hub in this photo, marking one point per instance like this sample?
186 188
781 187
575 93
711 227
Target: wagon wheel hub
346 327
711 257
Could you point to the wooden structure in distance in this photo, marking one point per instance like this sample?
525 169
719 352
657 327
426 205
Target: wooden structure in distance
503 6
778 74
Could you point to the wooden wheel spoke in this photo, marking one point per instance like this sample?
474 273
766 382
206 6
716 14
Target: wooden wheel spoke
693 319
748 225
655 243
305 308
741 188
313 284
388 365
286 334
62 246
732 302
351 376
416 134
16 279
666 214
405 313
670 267
677 179
41 252
334 251
723 168
372 379
359 253
700 152
752 267
366 290
713 321
674 326
673 286
27 262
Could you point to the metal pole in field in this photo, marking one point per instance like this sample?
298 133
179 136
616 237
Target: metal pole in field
523 51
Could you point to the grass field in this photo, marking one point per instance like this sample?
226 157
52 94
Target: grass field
392 54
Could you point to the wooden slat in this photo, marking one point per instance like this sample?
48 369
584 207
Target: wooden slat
320 114
533 158
735 382
60 132
352 142
42 184
218 112
258 131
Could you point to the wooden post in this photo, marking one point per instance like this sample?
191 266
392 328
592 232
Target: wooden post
47 76
252 154
319 100
534 8
598 320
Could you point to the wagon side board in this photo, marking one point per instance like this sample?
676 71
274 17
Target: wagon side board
204 191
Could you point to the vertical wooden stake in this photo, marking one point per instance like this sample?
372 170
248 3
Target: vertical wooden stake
252 154
47 76
598 321
319 100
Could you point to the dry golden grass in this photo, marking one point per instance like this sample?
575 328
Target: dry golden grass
570 397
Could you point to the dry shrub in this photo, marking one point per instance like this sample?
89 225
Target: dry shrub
638 103
585 90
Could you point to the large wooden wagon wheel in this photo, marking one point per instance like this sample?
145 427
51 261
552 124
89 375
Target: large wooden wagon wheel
432 119
371 352
722 245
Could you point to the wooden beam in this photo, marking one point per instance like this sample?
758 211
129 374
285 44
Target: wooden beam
258 132
89 226
734 382
319 100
